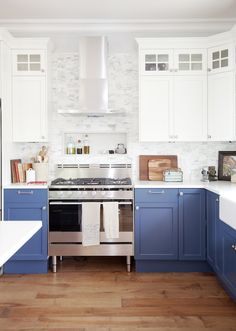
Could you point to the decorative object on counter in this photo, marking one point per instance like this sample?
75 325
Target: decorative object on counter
79 148
233 175
173 175
70 148
111 151
41 171
212 173
120 149
154 170
86 145
30 175
205 175
226 162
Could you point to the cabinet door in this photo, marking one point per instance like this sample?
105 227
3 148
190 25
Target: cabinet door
190 108
36 247
220 59
192 224
155 108
29 62
156 234
190 62
156 61
229 258
221 107
214 233
29 109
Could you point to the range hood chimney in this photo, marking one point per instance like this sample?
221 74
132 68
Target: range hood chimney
93 85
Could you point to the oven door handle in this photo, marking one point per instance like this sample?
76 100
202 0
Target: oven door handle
80 203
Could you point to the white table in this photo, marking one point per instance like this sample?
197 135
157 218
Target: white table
13 235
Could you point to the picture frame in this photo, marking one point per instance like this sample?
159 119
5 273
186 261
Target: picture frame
226 162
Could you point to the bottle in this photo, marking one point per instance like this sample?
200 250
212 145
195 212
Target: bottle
86 145
79 149
70 149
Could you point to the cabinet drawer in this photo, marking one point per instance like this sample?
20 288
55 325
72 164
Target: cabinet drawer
156 195
25 195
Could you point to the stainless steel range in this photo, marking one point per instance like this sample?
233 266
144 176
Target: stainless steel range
76 184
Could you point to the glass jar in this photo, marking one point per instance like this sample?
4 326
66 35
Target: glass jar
86 145
70 148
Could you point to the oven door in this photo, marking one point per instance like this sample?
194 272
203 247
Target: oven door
65 216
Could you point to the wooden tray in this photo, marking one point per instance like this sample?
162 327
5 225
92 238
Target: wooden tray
151 167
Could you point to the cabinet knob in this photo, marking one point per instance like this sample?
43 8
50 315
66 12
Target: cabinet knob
137 207
43 137
209 70
234 247
181 193
44 208
217 200
42 70
209 136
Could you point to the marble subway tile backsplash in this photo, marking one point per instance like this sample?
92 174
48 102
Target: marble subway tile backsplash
123 96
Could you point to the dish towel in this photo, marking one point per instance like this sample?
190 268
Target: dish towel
90 223
111 219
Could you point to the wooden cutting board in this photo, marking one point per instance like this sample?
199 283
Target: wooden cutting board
151 167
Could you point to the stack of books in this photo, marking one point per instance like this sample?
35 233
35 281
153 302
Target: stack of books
173 175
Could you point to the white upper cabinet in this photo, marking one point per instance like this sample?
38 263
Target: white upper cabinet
29 62
173 61
29 109
155 108
220 58
156 61
173 102
190 61
197 100
190 108
221 106
30 94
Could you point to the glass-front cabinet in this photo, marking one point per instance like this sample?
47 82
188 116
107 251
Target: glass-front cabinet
220 59
178 61
190 61
29 62
157 61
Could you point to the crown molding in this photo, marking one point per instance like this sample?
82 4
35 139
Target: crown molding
118 25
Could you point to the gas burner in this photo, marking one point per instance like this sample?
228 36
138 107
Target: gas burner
91 181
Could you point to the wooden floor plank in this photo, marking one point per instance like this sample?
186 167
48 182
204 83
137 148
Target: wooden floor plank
101 295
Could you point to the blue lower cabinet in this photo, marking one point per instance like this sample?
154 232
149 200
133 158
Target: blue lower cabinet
192 225
28 205
156 231
227 273
170 231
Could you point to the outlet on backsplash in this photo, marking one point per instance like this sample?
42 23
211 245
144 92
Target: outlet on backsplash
94 143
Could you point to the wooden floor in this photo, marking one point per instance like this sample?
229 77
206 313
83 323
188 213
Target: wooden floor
98 294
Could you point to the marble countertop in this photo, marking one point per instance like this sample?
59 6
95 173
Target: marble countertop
224 188
13 235
26 186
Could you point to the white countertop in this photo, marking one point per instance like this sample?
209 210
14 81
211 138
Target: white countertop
224 188
25 186
13 235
